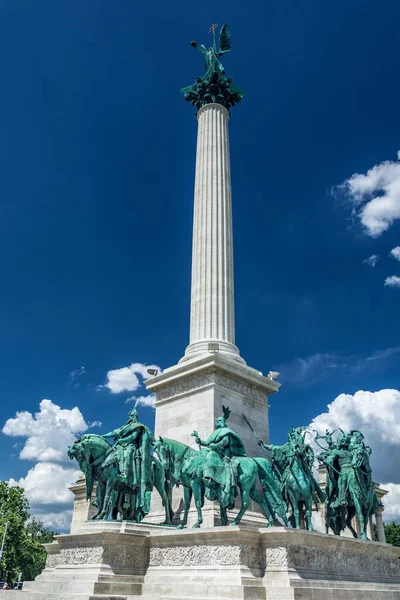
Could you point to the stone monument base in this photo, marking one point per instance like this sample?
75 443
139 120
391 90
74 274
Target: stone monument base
124 561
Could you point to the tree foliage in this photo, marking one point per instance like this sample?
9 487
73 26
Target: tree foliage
392 533
23 551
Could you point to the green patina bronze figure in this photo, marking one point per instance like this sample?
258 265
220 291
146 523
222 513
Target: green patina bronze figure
218 471
293 462
124 473
349 486
214 86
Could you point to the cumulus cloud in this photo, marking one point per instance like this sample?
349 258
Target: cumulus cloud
371 261
75 375
391 502
392 281
377 415
375 196
56 521
47 484
149 400
127 379
395 252
48 431
48 434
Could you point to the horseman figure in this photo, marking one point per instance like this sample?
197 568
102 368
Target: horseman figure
349 483
219 472
133 442
293 462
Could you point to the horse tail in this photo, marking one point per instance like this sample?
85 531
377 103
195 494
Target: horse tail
271 486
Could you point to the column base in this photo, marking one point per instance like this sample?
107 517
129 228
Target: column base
207 347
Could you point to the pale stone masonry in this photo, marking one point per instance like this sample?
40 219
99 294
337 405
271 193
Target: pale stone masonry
212 316
212 373
124 561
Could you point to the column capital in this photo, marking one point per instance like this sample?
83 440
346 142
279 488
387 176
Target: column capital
213 105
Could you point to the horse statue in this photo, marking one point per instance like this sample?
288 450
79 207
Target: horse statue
350 489
98 460
293 463
186 467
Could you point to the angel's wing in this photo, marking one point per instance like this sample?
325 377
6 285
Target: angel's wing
225 39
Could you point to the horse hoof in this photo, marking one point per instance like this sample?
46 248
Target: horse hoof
179 527
233 524
196 526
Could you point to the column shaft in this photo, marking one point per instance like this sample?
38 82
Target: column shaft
212 297
379 526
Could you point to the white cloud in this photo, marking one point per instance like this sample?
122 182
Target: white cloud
126 379
143 400
391 502
75 375
48 432
59 522
376 196
392 281
377 415
371 261
395 252
48 483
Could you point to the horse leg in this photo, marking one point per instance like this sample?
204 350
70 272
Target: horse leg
109 489
159 484
198 500
257 497
308 520
296 511
100 491
361 520
349 518
244 492
224 515
187 498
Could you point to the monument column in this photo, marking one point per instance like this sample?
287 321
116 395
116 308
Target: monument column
212 317
211 374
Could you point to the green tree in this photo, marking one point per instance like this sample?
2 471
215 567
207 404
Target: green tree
22 551
392 533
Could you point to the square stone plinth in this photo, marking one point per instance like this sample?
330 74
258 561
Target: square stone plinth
190 397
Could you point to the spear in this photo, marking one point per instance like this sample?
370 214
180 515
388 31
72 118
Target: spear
255 434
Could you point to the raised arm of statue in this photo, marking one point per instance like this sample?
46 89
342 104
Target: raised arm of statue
198 440
265 446
202 49
114 433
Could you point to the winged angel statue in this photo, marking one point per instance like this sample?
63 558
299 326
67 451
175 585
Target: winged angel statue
214 86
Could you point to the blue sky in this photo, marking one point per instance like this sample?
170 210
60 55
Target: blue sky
96 179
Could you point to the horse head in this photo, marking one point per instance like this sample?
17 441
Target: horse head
87 448
163 453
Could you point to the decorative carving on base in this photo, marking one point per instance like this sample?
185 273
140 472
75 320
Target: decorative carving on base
319 559
200 555
187 386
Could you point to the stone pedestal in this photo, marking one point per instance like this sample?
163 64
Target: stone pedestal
126 561
83 509
190 397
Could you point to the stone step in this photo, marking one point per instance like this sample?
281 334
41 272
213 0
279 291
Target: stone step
206 589
86 587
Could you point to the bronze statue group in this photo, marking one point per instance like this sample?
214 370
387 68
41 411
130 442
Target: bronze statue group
282 483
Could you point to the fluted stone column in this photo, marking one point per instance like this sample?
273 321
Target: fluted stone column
379 526
212 374
212 318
